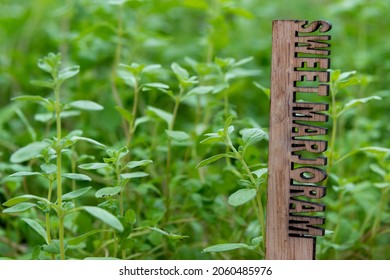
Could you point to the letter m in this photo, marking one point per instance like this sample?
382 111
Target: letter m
306 111
305 226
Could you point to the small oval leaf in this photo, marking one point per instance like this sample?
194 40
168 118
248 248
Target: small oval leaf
69 72
179 136
93 166
86 105
134 175
77 176
133 164
241 197
28 152
109 191
16 200
19 207
37 227
105 216
76 193
226 247
24 173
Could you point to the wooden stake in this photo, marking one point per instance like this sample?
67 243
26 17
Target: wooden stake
299 67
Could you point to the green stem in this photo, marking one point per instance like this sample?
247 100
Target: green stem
167 193
382 204
133 113
260 214
334 131
59 167
47 215
118 51
121 193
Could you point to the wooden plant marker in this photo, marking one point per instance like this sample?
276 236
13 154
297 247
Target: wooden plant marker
299 70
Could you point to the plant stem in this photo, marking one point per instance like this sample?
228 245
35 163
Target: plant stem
47 215
171 126
59 166
133 113
118 51
260 214
121 200
334 130
382 204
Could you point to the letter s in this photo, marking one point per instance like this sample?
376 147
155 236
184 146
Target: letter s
322 26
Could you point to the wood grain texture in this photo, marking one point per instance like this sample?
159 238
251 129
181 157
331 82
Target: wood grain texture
298 61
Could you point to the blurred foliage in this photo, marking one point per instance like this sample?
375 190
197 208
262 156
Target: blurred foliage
208 39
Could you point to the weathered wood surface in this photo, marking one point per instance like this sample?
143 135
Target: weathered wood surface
299 67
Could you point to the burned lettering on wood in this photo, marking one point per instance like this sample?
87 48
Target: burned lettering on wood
300 60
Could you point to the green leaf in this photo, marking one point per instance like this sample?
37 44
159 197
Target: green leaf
257 240
241 73
382 185
265 90
37 227
77 176
130 216
77 240
171 236
226 247
50 63
177 135
127 115
86 139
105 216
180 72
200 90
54 247
69 72
19 207
381 151
243 61
45 117
134 175
23 198
93 166
260 172
150 68
348 82
127 74
241 197
212 138
211 159
49 168
378 170
28 152
76 193
158 86
251 136
39 83
167 117
134 164
356 102
32 98
86 105
108 191
228 129
377 151
141 120
224 62
24 173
